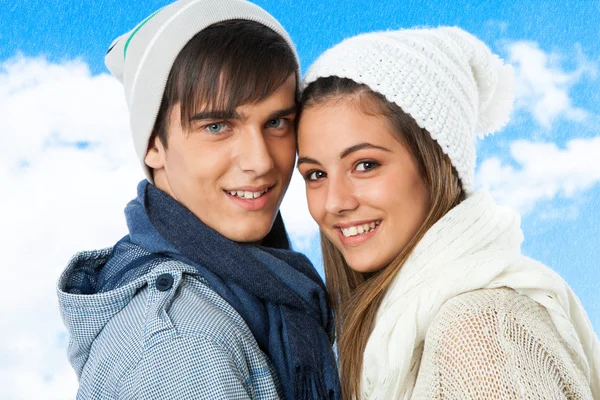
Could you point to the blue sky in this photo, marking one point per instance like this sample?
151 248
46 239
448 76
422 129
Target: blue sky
63 196
65 30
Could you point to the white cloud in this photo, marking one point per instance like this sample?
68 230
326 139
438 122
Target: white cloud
294 210
543 85
544 172
67 170
56 199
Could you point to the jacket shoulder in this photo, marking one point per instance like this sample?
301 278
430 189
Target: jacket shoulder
195 309
175 312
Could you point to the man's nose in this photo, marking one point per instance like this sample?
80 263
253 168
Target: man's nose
254 154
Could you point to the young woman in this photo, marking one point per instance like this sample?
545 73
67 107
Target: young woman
433 298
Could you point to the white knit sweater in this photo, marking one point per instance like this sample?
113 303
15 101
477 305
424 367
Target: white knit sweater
497 344
469 317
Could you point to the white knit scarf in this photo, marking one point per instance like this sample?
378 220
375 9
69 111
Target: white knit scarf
475 246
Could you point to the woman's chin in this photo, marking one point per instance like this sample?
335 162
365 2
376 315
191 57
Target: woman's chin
364 265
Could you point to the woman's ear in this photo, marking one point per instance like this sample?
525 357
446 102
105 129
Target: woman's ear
155 156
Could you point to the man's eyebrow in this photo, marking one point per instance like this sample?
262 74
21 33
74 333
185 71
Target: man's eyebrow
284 112
215 114
361 146
306 160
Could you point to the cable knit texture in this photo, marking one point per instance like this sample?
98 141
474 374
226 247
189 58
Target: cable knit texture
477 246
445 78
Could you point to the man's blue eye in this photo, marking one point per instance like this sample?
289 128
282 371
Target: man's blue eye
217 127
275 123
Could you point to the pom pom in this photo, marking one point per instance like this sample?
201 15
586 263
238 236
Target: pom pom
494 79
495 112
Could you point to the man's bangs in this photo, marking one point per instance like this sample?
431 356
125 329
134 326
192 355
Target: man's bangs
230 73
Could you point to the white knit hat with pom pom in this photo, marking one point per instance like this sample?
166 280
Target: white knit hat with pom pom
445 78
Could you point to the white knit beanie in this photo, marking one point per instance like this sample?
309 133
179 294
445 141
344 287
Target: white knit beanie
142 58
445 78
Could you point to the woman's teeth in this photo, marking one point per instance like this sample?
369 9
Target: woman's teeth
247 195
360 229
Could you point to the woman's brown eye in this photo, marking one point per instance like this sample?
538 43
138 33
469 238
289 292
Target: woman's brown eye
364 166
315 175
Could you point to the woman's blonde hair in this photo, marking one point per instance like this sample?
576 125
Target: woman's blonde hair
356 296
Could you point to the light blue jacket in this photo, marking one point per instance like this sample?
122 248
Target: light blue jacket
163 335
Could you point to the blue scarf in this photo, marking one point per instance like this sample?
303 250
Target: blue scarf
276 291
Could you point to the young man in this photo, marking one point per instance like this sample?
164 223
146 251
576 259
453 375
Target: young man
203 298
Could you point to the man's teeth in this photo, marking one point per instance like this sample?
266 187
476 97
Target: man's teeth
247 195
359 229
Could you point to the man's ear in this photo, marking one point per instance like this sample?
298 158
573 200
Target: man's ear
155 156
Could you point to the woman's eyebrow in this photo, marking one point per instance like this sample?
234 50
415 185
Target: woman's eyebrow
361 146
306 160
345 153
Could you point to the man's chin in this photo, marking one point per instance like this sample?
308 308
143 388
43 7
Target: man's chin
243 237
250 231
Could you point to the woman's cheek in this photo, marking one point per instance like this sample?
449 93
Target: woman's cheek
316 198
